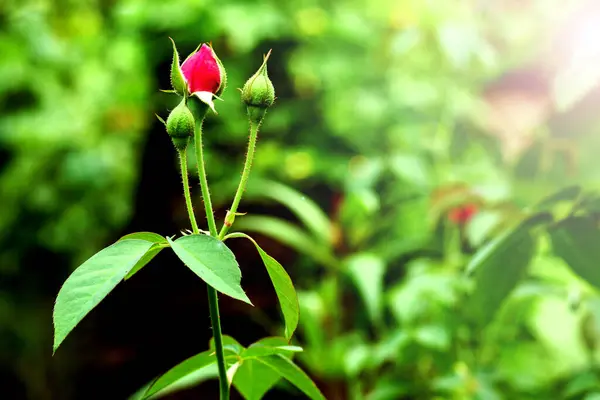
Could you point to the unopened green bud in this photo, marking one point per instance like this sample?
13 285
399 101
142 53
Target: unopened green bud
180 125
258 93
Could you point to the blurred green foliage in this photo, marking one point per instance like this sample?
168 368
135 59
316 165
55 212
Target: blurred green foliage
383 118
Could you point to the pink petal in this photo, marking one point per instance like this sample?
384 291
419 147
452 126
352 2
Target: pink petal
201 71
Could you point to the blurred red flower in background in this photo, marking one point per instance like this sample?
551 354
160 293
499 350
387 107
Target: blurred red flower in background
462 214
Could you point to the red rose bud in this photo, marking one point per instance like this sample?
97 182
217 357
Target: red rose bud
258 93
204 75
463 214
180 125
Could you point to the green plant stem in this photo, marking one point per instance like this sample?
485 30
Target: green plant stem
213 299
186 190
243 181
210 217
215 319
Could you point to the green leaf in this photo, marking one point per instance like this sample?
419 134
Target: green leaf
290 371
159 243
412 169
160 118
253 379
577 241
433 336
304 208
506 238
367 270
569 193
150 254
229 344
288 234
314 313
147 236
581 384
262 350
286 293
213 262
284 288
589 202
481 226
180 371
498 267
386 389
210 372
92 281
195 369
356 359
270 346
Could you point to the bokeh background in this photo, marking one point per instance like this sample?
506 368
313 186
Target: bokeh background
406 134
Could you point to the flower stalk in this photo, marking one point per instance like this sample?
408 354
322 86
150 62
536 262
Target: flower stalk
202 77
229 219
258 94
186 190
200 164
213 298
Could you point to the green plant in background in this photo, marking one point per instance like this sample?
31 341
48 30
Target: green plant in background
253 370
460 325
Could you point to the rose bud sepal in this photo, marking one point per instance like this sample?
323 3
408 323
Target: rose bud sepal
258 93
223 77
197 107
177 79
180 125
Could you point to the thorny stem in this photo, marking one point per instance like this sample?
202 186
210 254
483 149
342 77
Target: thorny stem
215 319
186 190
210 217
243 181
213 299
